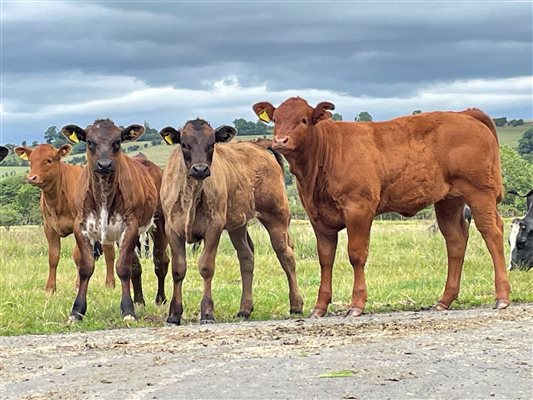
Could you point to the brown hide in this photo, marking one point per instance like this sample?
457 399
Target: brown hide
241 180
116 201
58 182
349 172
245 182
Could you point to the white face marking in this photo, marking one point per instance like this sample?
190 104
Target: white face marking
515 229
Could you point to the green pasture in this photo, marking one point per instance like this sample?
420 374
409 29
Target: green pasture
510 135
406 270
6 172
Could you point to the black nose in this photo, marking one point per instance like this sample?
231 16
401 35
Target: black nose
200 171
104 165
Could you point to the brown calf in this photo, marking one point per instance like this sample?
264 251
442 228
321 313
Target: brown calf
347 173
58 182
117 200
209 186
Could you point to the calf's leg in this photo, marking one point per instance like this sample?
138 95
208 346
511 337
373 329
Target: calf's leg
136 279
490 225
109 255
455 231
358 226
206 266
243 244
160 257
179 269
277 227
54 250
124 270
85 271
326 247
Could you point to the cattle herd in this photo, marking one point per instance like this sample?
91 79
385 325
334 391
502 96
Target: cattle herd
347 173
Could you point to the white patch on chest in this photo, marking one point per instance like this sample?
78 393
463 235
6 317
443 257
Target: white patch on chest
104 228
515 229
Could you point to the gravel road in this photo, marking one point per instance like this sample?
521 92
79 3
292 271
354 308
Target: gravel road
467 354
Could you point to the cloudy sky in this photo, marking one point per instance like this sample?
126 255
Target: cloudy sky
169 61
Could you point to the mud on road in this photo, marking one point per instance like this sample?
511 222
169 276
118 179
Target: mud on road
478 353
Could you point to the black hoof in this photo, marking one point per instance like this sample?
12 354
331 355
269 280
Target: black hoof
160 301
174 319
296 312
243 314
139 302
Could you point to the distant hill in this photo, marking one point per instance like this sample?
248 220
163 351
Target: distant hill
159 154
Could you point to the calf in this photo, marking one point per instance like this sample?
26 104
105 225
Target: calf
521 237
4 151
58 181
347 173
117 200
209 186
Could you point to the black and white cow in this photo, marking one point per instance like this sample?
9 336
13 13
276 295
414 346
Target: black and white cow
521 237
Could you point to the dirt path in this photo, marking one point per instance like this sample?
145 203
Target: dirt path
478 353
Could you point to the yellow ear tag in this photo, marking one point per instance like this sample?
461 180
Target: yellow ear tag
168 139
74 138
264 116
24 156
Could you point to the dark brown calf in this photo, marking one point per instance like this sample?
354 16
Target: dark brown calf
348 172
209 186
117 200
58 182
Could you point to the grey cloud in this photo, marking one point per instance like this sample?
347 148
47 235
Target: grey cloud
362 49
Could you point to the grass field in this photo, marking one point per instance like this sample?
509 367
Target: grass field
511 135
406 270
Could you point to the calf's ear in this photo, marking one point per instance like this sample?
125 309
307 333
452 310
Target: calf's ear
170 135
63 151
264 110
23 152
132 133
224 133
4 151
321 112
73 133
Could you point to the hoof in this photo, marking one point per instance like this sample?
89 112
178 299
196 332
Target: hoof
174 320
355 312
50 290
296 312
440 306
160 301
208 319
139 302
317 313
110 284
243 314
501 304
129 318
